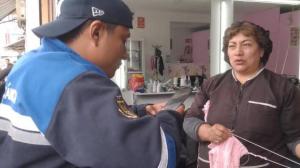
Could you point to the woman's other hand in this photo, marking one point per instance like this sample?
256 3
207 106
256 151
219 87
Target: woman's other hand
298 150
216 133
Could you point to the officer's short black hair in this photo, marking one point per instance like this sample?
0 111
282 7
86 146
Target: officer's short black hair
77 31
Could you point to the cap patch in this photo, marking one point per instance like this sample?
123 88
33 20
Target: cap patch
97 12
123 108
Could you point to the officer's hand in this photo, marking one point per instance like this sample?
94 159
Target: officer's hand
155 108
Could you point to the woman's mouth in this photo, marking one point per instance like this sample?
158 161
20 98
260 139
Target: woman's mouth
239 62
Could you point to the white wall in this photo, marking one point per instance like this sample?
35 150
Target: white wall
178 36
9 34
32 21
157 30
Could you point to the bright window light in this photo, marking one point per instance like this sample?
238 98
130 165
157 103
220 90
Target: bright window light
285 2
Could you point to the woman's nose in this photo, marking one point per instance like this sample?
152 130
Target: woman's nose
238 50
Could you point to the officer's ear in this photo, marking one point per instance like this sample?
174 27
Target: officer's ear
96 30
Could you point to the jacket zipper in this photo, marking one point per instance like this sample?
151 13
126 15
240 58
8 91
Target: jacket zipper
237 106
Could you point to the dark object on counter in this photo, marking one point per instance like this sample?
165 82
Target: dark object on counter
178 82
197 80
193 79
201 79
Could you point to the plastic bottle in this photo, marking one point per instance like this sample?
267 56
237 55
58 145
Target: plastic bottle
149 86
158 86
154 88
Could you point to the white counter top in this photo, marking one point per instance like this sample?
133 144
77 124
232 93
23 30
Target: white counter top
144 98
158 93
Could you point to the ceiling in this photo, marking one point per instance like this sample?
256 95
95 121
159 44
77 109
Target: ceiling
6 7
18 46
194 6
198 6
188 6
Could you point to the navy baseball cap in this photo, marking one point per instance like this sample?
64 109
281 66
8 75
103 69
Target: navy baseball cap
73 13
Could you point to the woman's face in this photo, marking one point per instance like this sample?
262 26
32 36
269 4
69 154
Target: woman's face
244 54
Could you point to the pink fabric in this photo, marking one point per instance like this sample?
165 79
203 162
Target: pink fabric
205 109
226 154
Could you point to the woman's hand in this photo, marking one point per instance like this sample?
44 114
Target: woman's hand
215 134
298 150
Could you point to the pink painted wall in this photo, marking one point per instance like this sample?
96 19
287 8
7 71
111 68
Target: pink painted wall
200 47
283 59
268 19
288 62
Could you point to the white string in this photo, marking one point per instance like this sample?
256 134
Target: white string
266 149
285 58
265 158
278 47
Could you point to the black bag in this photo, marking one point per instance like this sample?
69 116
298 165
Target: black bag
2 89
3 74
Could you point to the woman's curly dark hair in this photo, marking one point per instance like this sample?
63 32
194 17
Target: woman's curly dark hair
261 36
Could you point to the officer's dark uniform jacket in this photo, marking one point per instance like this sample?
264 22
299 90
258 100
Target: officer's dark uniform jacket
59 110
264 110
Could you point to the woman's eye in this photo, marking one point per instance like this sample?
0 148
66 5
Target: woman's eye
247 44
231 46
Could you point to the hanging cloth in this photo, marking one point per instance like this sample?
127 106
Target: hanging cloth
160 63
153 63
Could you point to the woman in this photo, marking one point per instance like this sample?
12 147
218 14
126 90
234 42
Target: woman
248 100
